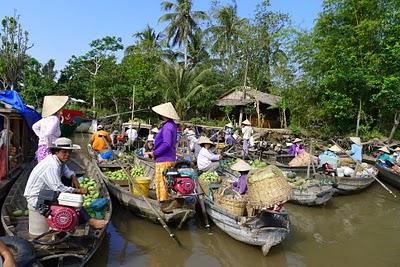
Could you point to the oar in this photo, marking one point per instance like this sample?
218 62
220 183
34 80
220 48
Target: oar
202 205
371 174
132 183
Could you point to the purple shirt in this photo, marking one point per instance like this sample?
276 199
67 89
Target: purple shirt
165 143
241 185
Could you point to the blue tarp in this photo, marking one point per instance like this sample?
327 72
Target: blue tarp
12 98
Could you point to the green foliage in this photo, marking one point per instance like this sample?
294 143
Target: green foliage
207 121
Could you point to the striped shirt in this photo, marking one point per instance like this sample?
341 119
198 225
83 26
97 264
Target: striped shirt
47 176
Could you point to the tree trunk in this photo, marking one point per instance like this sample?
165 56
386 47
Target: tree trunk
185 51
240 116
258 114
358 119
395 125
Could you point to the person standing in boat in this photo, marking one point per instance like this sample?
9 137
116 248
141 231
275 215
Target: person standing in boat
228 132
206 160
247 132
243 168
48 175
48 128
132 135
356 149
164 149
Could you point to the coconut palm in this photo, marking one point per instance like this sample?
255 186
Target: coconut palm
182 21
147 40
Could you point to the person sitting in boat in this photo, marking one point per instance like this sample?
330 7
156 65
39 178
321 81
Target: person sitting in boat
296 148
132 135
48 128
147 148
396 155
113 137
48 174
329 159
206 160
385 158
7 257
243 168
99 139
356 149
228 132
247 132
152 133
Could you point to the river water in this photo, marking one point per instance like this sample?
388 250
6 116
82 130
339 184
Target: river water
356 230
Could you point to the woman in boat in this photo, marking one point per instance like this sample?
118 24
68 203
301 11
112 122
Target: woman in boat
47 175
153 133
296 148
228 131
148 147
164 148
356 149
207 161
243 168
329 159
385 158
48 128
247 132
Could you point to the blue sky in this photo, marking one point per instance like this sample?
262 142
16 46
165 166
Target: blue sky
62 28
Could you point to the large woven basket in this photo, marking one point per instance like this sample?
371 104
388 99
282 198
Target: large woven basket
268 186
232 206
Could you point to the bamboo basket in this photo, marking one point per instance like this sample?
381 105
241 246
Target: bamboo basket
233 206
267 187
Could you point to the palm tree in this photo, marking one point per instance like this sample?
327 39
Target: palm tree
182 85
147 40
197 50
182 21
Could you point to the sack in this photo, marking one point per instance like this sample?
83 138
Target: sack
302 159
99 204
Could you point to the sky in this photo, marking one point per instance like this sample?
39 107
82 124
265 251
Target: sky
59 29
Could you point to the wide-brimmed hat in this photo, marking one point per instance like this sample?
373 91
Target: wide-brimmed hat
229 125
166 110
335 149
246 122
64 143
52 104
241 166
154 130
356 140
297 140
384 149
100 127
204 140
150 138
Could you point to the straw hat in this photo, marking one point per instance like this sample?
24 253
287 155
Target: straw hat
64 143
356 140
289 144
166 110
297 140
229 125
384 149
241 166
154 130
335 149
100 127
246 122
52 104
204 140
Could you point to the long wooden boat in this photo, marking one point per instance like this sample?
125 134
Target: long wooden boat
77 249
312 195
138 205
389 176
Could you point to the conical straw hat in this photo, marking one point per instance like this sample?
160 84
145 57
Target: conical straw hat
384 149
166 110
246 122
229 125
204 140
297 140
52 104
335 149
241 166
356 140
154 130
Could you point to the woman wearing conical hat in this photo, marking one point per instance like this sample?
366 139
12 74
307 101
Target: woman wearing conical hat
48 128
247 132
164 147
385 158
243 168
356 149
228 132
207 161
329 157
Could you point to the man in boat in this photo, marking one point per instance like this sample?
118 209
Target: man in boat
247 132
47 175
113 137
165 152
206 160
132 135
97 141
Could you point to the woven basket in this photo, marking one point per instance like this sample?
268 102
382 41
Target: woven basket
232 206
268 186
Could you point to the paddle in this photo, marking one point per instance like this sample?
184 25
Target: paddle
202 205
372 175
132 183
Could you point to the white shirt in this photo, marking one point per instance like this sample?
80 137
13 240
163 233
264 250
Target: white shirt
132 134
247 131
47 129
47 176
205 157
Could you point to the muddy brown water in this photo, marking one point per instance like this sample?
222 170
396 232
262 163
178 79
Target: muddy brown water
355 230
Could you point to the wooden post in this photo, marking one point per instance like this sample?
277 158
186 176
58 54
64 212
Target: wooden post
358 119
258 113
395 125
133 101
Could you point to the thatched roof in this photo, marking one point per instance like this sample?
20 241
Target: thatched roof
234 97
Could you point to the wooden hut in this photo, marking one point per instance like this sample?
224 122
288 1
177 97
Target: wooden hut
266 105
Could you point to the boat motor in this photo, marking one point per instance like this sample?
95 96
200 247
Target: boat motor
181 178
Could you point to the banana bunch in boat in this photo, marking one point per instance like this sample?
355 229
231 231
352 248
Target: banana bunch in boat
92 194
210 177
257 164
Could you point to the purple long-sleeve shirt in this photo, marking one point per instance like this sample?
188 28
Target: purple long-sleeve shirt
165 143
241 184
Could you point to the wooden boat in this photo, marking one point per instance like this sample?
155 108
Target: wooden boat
84 126
137 204
389 176
77 249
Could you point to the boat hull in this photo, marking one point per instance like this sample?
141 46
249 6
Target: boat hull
389 177
313 195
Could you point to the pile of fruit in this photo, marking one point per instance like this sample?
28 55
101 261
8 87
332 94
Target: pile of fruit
301 183
19 213
210 177
92 194
227 163
258 164
136 171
